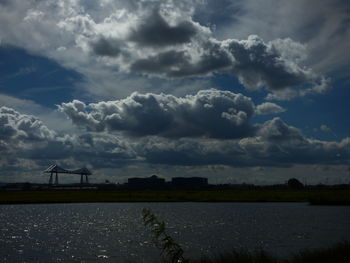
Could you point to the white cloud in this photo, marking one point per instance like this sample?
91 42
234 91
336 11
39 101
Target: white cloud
26 140
16 126
325 128
124 37
211 127
51 117
209 113
268 108
26 143
322 25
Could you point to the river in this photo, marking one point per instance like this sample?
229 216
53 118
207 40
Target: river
114 232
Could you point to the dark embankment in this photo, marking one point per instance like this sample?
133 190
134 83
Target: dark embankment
339 253
315 196
330 200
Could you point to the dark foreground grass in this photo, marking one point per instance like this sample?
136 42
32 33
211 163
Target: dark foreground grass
173 252
320 196
339 253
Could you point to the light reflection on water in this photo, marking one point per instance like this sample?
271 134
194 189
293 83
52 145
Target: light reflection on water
114 232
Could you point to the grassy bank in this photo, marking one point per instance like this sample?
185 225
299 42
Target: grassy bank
172 251
339 253
320 196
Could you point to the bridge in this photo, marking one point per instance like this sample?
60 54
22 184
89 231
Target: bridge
55 169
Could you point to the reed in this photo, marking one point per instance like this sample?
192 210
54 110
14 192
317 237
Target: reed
173 252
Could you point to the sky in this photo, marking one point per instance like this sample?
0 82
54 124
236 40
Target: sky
235 91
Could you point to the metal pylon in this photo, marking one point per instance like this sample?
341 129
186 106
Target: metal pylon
56 178
50 180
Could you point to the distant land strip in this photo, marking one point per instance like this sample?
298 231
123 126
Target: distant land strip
314 197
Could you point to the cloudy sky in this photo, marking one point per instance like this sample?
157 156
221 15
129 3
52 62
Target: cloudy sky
237 91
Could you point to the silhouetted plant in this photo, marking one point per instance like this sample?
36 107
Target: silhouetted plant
172 250
339 253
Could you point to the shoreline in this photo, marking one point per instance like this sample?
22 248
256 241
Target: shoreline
313 197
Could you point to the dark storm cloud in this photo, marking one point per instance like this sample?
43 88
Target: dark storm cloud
154 30
275 144
257 64
280 143
209 113
180 63
167 61
191 152
25 137
99 150
106 47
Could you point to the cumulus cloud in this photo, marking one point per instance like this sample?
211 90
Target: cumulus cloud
189 130
25 139
184 63
267 64
325 128
14 125
158 32
131 39
282 143
321 86
106 47
50 117
257 64
209 113
275 144
323 29
277 130
19 133
154 38
268 108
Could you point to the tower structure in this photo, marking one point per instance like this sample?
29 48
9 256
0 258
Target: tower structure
55 170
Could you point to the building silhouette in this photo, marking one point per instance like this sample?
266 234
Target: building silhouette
148 182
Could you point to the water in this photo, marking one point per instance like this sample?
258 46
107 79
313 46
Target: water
114 232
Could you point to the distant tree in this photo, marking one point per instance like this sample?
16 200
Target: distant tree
294 183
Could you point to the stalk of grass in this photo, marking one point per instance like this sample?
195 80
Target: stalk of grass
172 250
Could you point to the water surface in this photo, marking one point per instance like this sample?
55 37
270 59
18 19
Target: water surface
114 232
